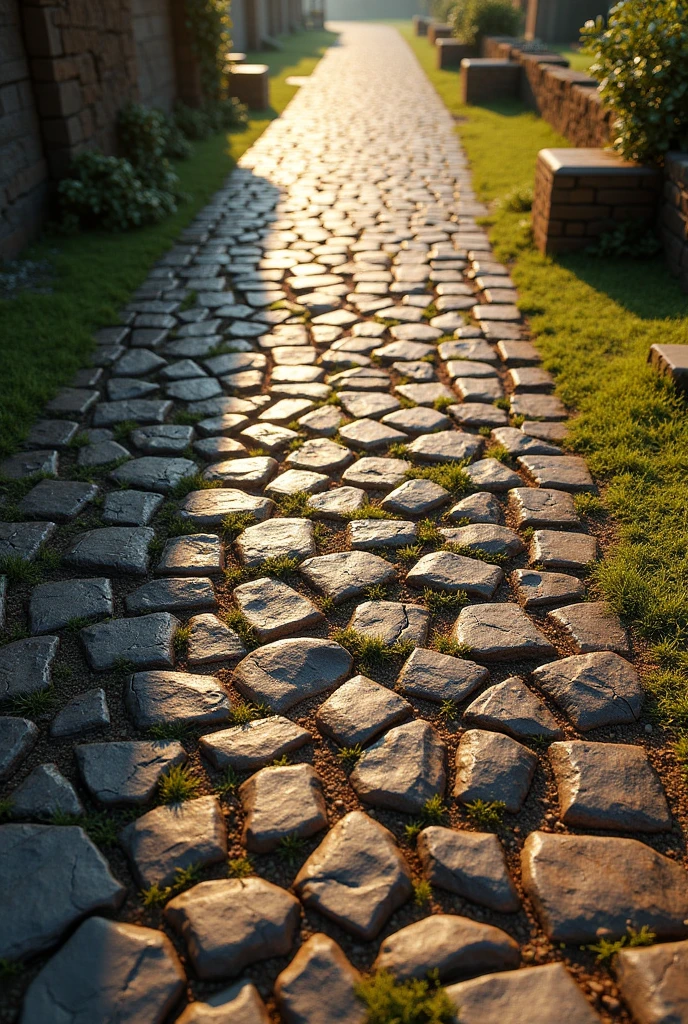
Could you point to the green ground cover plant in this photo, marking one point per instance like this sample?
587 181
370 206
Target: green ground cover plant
47 337
594 321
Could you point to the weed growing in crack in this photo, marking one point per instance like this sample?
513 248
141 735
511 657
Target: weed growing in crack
290 848
422 892
237 621
442 403
447 645
371 651
350 756
450 475
487 813
295 505
409 553
35 705
281 566
239 867
445 600
434 811
411 1002
169 731
606 949
181 639
467 551
429 532
235 523
228 782
178 785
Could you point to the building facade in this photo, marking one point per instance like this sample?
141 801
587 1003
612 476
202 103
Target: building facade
68 66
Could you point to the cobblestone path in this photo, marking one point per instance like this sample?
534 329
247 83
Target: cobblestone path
316 671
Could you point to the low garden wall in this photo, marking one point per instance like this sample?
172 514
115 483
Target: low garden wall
674 216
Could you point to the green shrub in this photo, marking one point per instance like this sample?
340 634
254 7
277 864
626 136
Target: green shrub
146 138
417 1001
201 122
472 20
106 191
641 63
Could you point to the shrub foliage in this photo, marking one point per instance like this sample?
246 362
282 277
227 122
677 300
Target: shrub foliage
472 20
641 64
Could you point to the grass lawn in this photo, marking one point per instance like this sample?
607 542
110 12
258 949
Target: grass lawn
594 321
46 338
578 61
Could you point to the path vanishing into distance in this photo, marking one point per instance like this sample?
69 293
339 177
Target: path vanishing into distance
317 670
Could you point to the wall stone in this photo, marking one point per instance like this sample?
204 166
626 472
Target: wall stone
674 216
152 28
23 171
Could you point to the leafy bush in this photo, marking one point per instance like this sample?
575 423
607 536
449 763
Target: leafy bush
200 122
641 63
519 200
209 28
441 9
631 239
106 191
145 137
472 20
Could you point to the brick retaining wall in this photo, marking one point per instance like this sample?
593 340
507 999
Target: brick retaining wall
674 216
566 99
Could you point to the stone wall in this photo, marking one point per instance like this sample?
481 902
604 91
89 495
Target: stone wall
566 99
23 171
83 65
154 53
674 216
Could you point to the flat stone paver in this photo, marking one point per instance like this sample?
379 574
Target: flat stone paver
319 966
357 876
470 864
493 767
288 671
593 689
540 995
281 801
453 946
654 982
255 744
143 982
403 770
126 771
230 923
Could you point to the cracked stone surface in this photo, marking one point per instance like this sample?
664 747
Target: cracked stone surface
592 626
593 689
279 802
512 708
574 899
470 864
126 771
609 786
230 923
493 767
18 736
174 837
500 632
45 793
144 979
164 698
120 549
26 666
536 589
276 538
53 876
54 605
445 570
144 642
84 713
346 574
357 876
454 946
402 770
368 534
391 621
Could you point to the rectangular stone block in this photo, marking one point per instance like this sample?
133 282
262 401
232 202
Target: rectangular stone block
250 84
450 52
671 361
484 80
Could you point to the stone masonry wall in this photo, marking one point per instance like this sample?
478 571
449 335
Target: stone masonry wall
23 171
566 99
154 53
83 63
674 216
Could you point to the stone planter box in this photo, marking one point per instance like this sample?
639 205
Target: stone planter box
438 30
484 80
250 84
450 53
580 193
674 217
420 24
